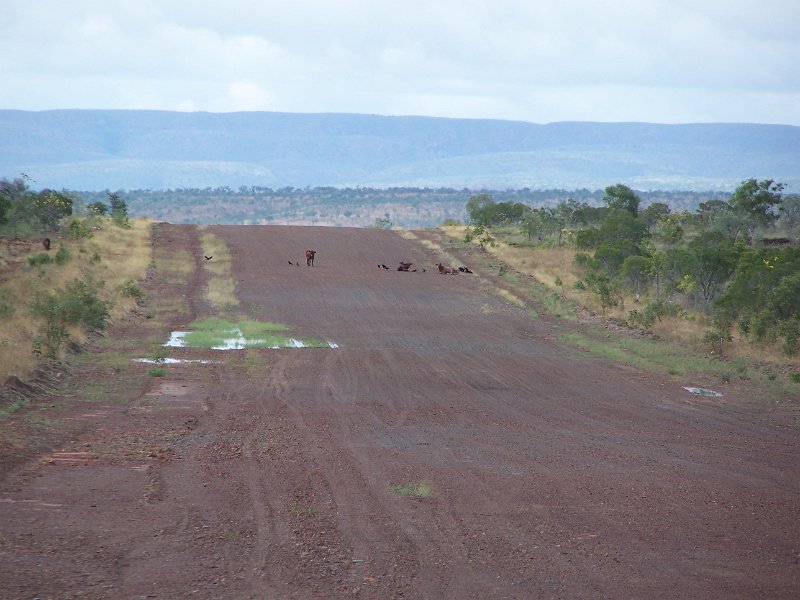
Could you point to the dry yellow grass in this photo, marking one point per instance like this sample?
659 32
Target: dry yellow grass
112 256
220 288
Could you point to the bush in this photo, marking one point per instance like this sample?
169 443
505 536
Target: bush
79 229
76 304
62 255
794 377
131 290
40 259
583 260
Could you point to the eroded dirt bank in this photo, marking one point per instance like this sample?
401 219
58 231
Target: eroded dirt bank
540 473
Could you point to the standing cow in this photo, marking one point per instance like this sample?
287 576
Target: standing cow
310 257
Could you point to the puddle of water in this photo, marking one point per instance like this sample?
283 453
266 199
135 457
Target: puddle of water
698 391
175 361
235 339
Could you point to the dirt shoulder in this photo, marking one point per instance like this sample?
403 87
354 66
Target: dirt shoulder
448 447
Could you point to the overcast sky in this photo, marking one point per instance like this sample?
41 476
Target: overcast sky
664 61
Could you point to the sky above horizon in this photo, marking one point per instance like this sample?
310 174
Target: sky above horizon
659 61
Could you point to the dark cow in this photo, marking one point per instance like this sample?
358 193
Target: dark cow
405 266
46 243
310 257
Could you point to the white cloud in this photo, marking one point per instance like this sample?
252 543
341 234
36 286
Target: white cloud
655 60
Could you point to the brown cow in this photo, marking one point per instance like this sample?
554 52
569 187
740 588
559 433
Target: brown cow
446 270
404 266
310 257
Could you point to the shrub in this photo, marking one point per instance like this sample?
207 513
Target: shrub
794 377
79 229
131 290
76 304
583 260
40 259
62 255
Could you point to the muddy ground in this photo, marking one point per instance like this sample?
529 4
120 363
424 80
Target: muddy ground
451 447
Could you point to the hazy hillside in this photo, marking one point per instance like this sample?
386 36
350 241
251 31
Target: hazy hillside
97 149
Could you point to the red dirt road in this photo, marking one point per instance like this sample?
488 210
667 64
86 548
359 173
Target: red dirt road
272 473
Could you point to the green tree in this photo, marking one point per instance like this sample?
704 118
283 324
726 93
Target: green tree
478 207
119 210
99 209
623 198
759 200
635 270
654 213
790 212
709 260
50 207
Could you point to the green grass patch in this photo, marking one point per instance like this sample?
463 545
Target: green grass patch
248 328
419 489
219 333
644 354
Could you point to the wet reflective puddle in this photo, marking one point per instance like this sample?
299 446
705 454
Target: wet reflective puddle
698 391
217 334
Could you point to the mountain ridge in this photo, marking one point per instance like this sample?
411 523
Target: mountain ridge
89 149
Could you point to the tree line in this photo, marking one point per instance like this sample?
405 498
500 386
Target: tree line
24 211
736 260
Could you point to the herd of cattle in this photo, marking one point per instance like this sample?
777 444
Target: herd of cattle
403 266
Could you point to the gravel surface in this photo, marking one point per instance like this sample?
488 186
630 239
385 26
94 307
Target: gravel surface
448 448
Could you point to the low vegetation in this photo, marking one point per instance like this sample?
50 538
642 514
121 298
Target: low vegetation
67 270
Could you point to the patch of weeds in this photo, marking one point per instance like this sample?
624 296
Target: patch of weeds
62 255
503 271
7 304
130 289
157 372
420 489
39 259
160 355
16 405
794 377
771 373
645 354
299 510
742 368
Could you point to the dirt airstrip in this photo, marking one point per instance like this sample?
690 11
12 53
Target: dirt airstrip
450 447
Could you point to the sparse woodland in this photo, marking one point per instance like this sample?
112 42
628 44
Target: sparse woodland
729 270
